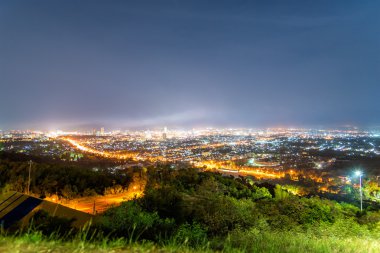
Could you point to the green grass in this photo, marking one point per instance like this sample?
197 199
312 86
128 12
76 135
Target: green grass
289 242
268 242
35 242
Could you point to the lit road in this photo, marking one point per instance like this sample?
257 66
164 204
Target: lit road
106 154
243 170
261 173
102 203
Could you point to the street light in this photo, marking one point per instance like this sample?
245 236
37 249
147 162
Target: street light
360 174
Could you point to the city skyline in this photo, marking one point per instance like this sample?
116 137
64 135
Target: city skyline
143 64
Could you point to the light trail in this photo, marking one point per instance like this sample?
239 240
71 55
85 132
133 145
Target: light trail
259 173
106 154
209 165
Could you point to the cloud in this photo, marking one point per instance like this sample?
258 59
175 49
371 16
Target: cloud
175 119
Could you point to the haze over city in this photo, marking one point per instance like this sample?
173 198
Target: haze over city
143 64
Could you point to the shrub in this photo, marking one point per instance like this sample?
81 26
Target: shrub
190 234
129 220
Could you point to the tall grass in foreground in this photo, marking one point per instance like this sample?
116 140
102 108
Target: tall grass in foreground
238 241
291 242
86 240
35 242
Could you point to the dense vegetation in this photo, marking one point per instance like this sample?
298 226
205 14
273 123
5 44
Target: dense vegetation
66 180
187 210
190 210
202 208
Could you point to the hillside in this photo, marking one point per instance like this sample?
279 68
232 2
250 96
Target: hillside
187 210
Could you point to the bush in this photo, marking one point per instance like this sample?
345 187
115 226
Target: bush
130 221
190 234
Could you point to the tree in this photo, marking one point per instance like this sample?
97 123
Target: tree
67 192
279 193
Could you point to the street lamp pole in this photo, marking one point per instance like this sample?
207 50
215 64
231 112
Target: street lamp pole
361 193
360 174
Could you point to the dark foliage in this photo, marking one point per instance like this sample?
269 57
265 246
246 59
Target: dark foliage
68 181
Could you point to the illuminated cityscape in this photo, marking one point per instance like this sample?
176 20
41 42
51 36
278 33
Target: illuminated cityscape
293 156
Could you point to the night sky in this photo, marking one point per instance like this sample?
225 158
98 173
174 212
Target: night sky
145 64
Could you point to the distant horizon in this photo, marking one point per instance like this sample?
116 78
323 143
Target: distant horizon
189 128
114 127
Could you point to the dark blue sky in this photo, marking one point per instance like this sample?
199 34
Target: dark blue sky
122 64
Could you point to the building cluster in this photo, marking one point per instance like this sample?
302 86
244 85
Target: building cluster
278 149
298 155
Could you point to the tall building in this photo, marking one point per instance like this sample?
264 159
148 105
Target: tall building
165 133
102 131
148 135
